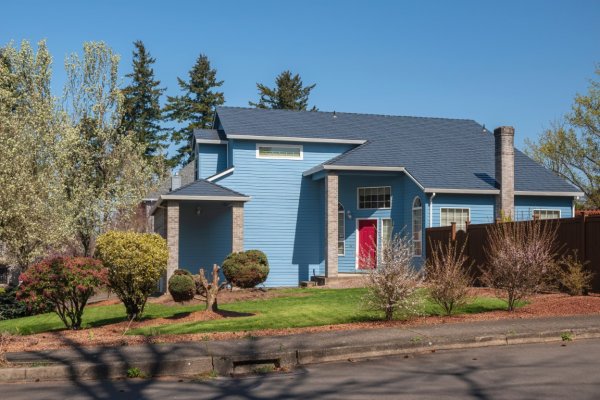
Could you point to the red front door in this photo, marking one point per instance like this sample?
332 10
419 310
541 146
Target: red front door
367 243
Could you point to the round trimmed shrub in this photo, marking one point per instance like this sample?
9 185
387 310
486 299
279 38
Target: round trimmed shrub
246 269
182 286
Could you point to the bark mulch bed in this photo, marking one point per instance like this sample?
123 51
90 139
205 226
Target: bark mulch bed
544 305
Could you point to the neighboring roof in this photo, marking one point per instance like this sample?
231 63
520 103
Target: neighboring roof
439 153
187 174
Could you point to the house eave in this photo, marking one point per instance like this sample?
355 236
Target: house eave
220 174
461 191
541 193
197 198
328 167
210 141
294 139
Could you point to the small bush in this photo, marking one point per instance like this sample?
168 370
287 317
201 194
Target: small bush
520 258
2 291
135 263
573 278
392 285
65 282
182 286
246 269
11 307
447 276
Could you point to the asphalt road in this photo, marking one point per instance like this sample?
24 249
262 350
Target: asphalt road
540 371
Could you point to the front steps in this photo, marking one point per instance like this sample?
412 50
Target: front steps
340 281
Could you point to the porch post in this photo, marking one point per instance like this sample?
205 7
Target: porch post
237 227
331 225
172 233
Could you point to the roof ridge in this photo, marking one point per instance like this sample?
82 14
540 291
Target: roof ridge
340 156
344 112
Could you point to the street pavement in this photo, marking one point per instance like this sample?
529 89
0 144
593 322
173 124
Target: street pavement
559 370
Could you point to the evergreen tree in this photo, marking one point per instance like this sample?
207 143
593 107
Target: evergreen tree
289 93
196 107
141 105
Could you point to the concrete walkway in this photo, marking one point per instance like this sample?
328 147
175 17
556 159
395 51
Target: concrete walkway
239 356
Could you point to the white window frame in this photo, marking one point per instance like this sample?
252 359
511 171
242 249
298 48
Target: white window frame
455 208
358 207
342 237
412 227
546 209
384 239
288 146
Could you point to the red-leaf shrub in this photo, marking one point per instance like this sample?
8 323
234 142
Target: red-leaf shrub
65 282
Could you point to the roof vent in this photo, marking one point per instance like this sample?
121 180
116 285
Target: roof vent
334 115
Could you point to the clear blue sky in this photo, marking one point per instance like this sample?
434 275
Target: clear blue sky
501 63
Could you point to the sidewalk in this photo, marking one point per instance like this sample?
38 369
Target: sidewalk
238 356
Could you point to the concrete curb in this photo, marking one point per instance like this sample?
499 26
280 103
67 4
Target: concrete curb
229 364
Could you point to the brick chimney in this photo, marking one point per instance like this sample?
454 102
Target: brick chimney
505 170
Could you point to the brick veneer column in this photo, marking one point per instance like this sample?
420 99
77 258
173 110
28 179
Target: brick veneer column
331 225
237 227
172 228
505 170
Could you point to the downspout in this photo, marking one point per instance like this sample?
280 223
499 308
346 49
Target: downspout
431 209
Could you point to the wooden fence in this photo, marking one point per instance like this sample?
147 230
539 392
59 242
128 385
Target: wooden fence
581 234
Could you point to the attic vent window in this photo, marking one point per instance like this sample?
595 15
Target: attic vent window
279 151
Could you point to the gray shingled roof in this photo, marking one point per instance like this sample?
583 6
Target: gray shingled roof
208 134
438 152
204 188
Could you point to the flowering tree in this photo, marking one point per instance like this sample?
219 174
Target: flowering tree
105 171
31 196
392 284
66 283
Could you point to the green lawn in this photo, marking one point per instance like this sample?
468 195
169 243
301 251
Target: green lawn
301 308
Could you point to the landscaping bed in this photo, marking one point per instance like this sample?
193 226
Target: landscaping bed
272 312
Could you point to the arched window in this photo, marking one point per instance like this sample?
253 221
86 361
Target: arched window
341 230
417 227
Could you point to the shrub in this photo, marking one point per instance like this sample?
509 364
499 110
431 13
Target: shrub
65 282
573 278
520 257
246 269
182 286
447 275
392 285
10 306
135 263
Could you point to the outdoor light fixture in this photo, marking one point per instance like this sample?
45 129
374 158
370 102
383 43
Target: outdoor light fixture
198 211
349 214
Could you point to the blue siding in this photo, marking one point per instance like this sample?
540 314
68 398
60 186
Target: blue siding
212 158
524 206
285 217
481 206
204 239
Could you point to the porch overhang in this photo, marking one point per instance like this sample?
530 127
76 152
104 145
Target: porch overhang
167 197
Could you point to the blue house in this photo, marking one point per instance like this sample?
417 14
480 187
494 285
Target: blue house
315 189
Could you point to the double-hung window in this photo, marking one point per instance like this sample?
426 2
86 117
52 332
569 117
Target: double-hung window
417 227
341 230
458 215
546 214
374 197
